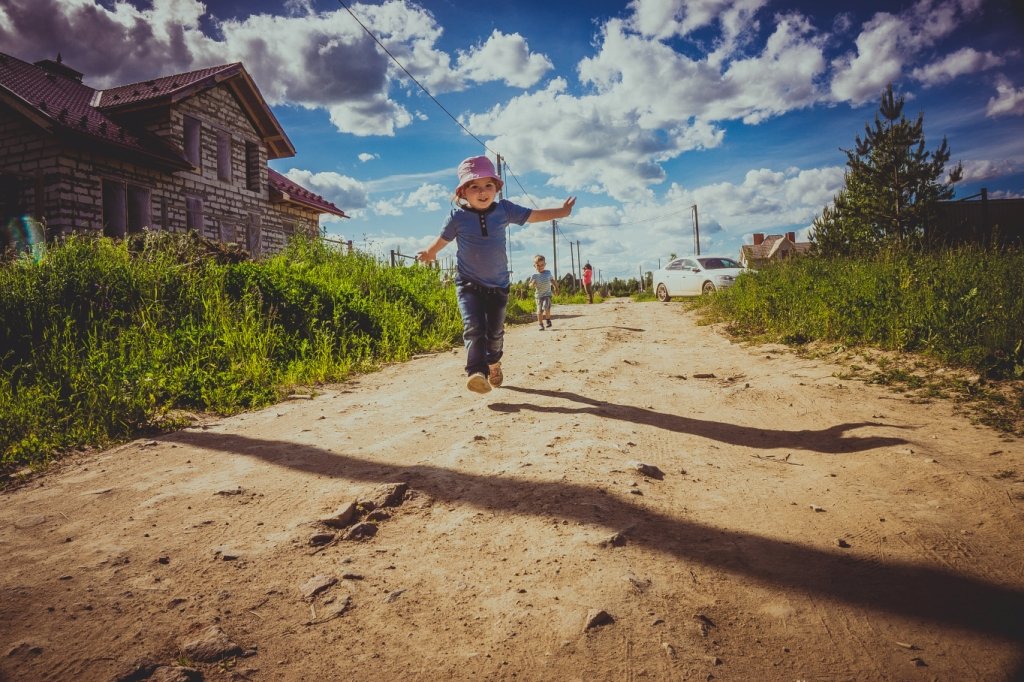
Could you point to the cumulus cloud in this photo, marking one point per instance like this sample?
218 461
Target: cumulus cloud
964 61
503 58
366 156
977 170
344 192
889 42
1008 100
312 59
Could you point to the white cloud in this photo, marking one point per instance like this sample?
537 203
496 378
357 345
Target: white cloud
888 42
316 60
506 58
366 156
977 170
427 197
1008 101
344 192
964 61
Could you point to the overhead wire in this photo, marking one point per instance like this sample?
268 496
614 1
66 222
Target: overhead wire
505 165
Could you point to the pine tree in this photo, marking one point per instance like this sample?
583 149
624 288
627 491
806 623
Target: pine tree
891 187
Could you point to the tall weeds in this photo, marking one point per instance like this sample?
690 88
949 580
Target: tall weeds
963 307
101 339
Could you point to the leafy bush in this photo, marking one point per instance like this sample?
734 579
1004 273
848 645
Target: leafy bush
102 339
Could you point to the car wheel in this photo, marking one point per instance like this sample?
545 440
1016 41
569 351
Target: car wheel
708 288
662 293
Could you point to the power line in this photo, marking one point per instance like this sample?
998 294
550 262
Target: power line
505 164
434 99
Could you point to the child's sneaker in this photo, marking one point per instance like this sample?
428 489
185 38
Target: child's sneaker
477 383
495 377
549 323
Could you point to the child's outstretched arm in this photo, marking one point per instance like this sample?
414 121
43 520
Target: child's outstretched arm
430 254
539 215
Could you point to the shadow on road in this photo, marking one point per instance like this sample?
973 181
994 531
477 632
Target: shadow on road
905 590
833 440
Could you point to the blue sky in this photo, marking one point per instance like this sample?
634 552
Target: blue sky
640 109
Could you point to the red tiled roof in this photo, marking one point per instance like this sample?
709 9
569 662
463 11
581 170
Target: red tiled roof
160 88
63 105
291 191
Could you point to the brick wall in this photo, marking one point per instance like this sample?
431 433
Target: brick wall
66 184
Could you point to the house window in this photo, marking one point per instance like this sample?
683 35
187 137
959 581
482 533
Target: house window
227 232
194 214
224 155
127 208
255 234
115 218
192 147
252 166
140 209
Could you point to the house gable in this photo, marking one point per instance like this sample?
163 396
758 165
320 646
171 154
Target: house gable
125 168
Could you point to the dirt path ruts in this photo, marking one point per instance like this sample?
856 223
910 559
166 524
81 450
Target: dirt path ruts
805 527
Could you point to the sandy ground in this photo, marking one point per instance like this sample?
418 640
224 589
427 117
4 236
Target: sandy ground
796 527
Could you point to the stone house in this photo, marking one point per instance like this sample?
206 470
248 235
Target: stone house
773 247
187 151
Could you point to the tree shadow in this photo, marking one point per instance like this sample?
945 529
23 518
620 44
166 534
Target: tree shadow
905 590
832 440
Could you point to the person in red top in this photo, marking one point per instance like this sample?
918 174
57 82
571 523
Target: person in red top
588 282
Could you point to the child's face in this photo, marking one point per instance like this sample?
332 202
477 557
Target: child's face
539 264
480 193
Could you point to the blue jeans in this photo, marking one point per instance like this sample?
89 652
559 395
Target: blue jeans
483 324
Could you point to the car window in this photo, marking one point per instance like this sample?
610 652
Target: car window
687 263
718 263
677 264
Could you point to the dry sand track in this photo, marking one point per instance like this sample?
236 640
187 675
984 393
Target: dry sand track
803 527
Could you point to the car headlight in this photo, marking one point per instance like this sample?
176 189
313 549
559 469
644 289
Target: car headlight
725 278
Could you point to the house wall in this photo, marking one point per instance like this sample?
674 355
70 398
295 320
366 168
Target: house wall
28 163
64 184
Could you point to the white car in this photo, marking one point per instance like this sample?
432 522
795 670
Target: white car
694 276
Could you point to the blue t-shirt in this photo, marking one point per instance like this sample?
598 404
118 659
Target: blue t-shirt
480 237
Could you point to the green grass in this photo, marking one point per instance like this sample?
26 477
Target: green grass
961 308
103 340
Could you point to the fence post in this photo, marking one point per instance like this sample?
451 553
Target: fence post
392 258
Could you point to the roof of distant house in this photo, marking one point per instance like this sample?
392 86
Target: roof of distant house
770 246
283 189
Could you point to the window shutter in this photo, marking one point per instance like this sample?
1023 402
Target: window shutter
192 146
224 155
194 214
140 214
113 208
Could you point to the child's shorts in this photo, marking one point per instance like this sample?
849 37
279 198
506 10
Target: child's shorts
543 303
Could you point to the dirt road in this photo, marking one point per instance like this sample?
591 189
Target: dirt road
797 527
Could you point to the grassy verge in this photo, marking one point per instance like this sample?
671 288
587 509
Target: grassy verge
960 310
103 340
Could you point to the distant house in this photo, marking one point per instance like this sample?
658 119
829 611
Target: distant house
182 152
774 247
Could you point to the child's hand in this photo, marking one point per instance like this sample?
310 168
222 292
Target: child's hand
567 206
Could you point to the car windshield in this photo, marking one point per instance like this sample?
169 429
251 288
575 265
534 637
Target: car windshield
717 263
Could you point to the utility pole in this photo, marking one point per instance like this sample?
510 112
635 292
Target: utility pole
696 231
554 247
579 259
572 265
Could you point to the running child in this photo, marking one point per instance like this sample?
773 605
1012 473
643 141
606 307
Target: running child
479 227
543 283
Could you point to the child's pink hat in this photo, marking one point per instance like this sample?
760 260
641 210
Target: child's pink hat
474 168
